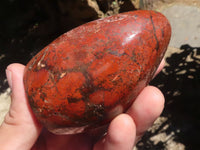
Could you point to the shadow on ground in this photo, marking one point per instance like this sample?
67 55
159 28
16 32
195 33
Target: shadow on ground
180 83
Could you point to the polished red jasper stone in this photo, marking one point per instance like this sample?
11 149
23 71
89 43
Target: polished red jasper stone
94 72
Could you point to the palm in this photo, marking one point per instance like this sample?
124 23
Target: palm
50 141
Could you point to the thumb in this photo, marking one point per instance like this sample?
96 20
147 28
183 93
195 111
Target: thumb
20 129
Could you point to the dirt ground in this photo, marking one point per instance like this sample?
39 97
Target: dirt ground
27 26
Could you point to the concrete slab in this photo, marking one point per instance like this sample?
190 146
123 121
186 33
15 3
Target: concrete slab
185 22
4 104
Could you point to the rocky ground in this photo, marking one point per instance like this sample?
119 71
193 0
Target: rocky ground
28 26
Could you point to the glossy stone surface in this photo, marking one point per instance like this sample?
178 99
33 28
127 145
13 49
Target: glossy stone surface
94 72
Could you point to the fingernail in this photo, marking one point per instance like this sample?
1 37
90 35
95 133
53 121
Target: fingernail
9 77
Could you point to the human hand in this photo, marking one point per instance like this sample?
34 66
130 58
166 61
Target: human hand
21 131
